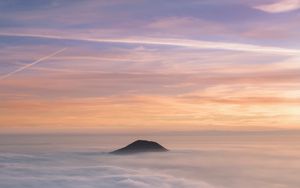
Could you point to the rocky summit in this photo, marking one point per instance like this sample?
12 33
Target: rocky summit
140 146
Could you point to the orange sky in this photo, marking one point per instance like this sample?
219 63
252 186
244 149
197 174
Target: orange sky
158 72
178 96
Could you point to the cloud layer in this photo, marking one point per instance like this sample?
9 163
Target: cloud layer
24 170
215 160
90 177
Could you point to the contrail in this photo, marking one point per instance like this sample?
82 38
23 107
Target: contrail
31 64
187 43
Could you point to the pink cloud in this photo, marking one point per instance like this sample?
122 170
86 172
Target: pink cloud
280 6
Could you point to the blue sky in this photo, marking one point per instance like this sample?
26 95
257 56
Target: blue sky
132 64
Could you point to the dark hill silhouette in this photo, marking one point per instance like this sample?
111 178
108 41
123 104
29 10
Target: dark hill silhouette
140 146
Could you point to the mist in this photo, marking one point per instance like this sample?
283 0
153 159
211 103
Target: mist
212 161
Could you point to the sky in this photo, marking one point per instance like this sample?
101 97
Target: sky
148 65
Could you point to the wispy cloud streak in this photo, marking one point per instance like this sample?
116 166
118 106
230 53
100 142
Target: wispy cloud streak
280 6
187 43
31 64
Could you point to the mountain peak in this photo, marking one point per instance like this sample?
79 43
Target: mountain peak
140 146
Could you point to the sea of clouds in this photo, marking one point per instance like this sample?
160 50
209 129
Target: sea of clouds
75 170
211 165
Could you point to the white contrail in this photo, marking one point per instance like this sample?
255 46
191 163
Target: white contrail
31 64
188 43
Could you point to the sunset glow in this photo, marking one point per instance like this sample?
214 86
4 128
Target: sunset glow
149 93
128 67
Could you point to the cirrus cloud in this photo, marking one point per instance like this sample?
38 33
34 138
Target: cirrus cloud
280 6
